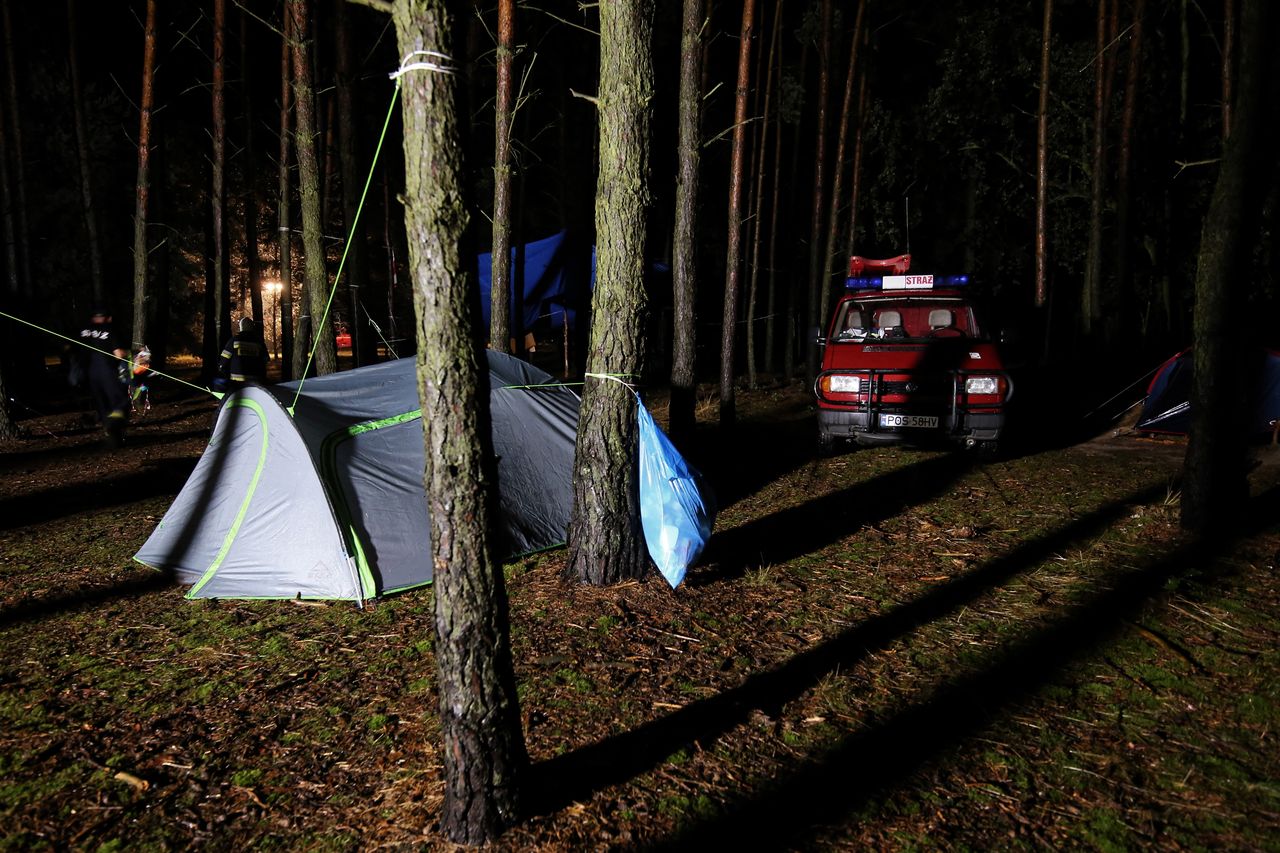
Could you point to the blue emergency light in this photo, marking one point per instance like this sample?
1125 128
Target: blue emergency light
896 282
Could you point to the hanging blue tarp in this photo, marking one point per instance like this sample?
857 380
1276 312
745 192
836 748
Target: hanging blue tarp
676 511
552 282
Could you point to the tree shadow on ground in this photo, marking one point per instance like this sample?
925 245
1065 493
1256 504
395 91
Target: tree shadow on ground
885 754
752 455
84 598
577 775
159 477
815 524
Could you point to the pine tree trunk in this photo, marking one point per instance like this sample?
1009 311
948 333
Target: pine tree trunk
1091 296
284 231
757 207
1228 61
483 747
221 283
819 188
317 278
733 259
26 286
1042 162
97 279
855 188
158 319
8 429
500 278
771 289
253 255
356 270
681 417
605 541
8 234
1215 485
837 182
1133 74
144 178
795 288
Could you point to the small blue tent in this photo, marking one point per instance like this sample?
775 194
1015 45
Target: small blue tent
1167 408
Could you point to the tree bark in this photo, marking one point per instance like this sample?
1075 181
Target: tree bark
1042 161
94 246
855 187
733 259
819 186
8 428
500 331
483 748
837 182
253 257
221 283
757 215
321 353
1215 485
140 290
1228 61
8 233
684 282
284 232
1133 75
771 289
25 284
605 541
795 290
1091 296
356 269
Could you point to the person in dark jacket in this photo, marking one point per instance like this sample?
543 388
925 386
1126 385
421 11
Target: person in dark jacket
107 373
243 359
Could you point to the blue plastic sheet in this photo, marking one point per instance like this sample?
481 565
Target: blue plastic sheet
676 512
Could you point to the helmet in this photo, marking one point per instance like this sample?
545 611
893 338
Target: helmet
246 324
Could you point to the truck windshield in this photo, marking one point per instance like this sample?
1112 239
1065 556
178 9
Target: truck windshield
906 319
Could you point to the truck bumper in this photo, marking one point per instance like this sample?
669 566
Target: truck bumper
973 427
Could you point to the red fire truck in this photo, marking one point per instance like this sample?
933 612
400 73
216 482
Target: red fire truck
905 359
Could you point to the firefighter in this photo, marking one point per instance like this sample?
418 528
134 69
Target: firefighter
242 359
107 374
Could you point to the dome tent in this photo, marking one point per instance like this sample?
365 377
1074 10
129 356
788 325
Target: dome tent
329 503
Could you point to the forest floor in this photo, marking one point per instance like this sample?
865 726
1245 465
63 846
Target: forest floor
886 648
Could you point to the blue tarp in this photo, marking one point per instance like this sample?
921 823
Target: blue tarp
676 510
551 281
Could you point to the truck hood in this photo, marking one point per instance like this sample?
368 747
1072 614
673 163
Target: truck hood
943 354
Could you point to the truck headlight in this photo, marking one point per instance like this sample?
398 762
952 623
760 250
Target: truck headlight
981 385
841 383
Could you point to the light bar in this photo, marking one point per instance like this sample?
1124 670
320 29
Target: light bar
904 282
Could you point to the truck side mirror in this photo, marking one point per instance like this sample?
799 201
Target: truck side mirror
815 333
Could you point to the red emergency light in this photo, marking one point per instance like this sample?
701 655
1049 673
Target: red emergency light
888 266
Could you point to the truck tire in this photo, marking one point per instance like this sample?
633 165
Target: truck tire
826 443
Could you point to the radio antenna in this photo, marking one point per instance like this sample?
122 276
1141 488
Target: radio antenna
906 201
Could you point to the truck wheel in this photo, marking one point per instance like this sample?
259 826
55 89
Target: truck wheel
826 443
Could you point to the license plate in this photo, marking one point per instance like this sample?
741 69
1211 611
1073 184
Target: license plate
910 421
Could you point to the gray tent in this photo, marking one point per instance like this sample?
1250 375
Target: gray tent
329 503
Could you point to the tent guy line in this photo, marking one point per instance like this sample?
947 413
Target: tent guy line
125 361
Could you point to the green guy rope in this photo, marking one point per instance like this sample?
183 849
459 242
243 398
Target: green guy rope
347 247
81 343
